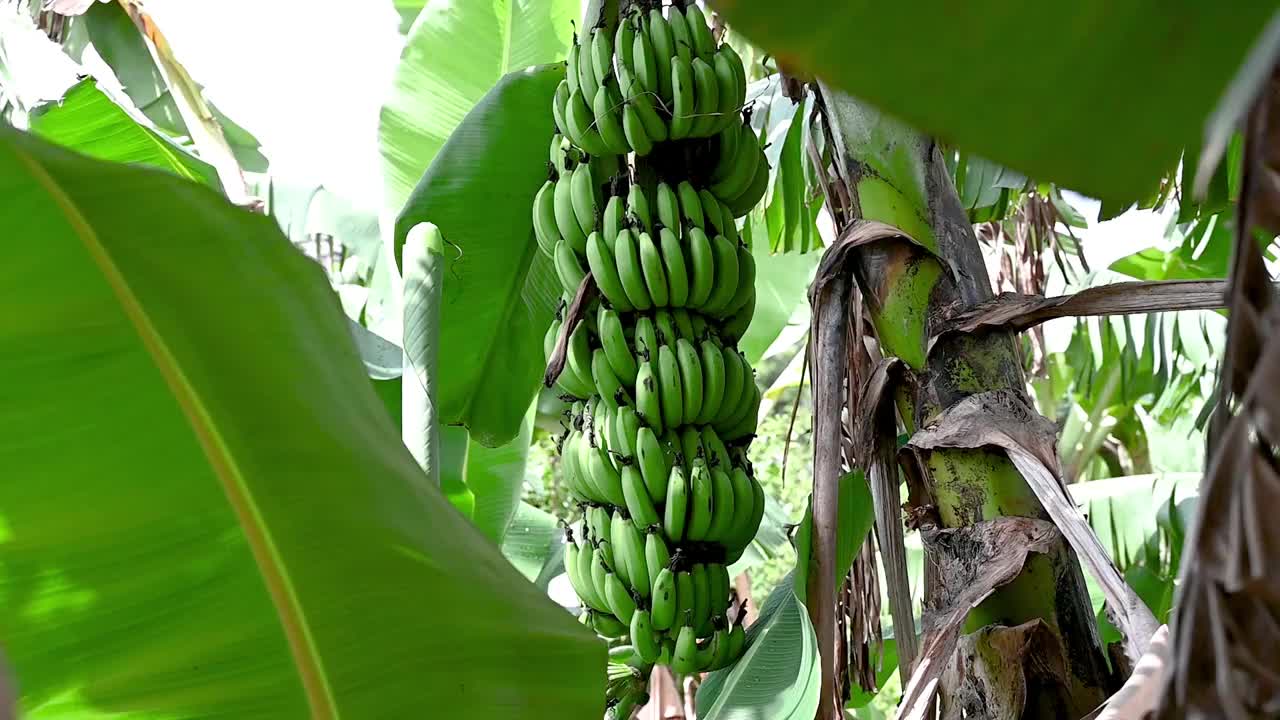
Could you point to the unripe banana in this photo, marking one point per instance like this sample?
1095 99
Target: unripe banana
622 552
644 57
730 225
691 205
684 326
726 276
666 327
726 151
601 523
607 479
601 55
684 598
639 505
655 276
741 533
607 383
604 268
648 406
620 600
566 219
627 428
703 265
691 444
633 128
581 129
584 189
671 390
713 381
707 107
737 643
571 66
718 582
704 46
630 272
638 207
676 272
559 105
644 638
746 158
726 90
684 101
685 658
595 570
646 339
544 219
680 34
613 220
717 453
652 462
668 207
751 196
613 340
588 83
746 281
690 378
735 386
623 43
659 33
700 502
571 567
607 107
739 71
578 359
722 516
711 212
656 555
675 512
663 607
747 422
646 104
701 618
637 565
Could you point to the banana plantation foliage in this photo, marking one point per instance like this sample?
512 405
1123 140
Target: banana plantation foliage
679 359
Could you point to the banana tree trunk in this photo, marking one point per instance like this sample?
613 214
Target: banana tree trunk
897 176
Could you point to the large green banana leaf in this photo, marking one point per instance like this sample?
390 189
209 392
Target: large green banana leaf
206 511
1096 95
456 51
499 290
87 120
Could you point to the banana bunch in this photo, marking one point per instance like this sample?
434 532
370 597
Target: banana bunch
653 162
655 79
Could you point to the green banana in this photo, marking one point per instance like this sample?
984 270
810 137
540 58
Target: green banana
644 638
566 220
730 224
691 204
601 523
684 326
719 650
559 104
747 422
742 203
746 159
645 64
544 218
726 276
613 340
690 378
568 471
549 338
739 71
709 118
703 264
612 221
627 255
684 102
735 385
700 499
607 106
691 444
701 618
648 406
605 475
676 272
746 281
581 124
607 626
656 554
718 582
588 83
703 44
684 597
638 503
675 511
726 151
670 387
643 101
726 89
655 277
604 268
607 383
578 358
620 600
601 55
722 516
623 553
743 510
653 464
685 658
623 43
737 643
680 34
717 453
637 566
713 381
638 207
627 427
668 207
663 605
646 339
583 186
666 327
735 326
636 135
711 211
659 33
571 567
597 573
571 66
622 654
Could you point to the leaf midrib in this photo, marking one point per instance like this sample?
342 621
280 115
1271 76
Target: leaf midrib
292 617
